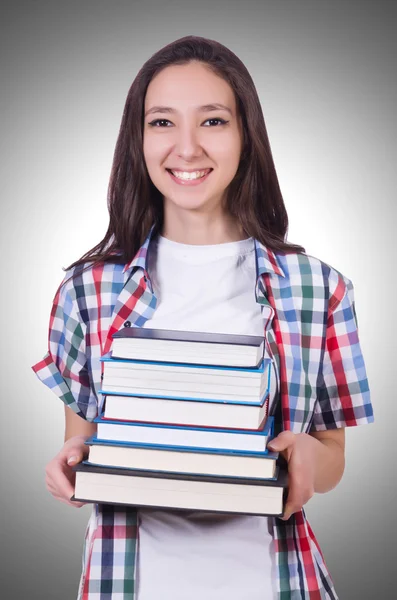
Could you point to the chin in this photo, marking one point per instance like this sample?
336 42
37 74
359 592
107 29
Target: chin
189 203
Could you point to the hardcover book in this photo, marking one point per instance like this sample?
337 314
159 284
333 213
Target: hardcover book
198 411
206 438
187 382
176 491
222 463
194 347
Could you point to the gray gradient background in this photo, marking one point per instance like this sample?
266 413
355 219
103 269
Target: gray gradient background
325 73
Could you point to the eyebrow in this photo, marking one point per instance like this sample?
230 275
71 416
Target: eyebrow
204 108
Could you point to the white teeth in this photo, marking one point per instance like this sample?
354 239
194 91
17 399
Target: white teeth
186 175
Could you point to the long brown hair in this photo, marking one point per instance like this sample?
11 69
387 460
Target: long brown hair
135 204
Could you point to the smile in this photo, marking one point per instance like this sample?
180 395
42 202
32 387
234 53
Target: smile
189 178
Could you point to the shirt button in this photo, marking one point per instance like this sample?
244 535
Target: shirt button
127 324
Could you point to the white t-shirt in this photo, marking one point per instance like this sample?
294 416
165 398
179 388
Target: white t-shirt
198 555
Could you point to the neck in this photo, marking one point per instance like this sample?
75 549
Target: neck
187 227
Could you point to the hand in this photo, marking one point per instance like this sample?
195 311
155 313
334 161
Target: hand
299 452
60 478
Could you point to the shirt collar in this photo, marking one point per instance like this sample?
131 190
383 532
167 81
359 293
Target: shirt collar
266 259
140 258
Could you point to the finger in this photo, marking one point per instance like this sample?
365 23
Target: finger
289 510
298 496
73 503
61 480
282 441
74 453
301 487
297 482
74 456
293 504
65 499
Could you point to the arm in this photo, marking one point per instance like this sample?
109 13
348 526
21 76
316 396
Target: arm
76 426
64 371
316 460
329 454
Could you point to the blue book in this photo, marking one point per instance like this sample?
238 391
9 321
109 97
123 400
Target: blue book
187 382
204 412
190 461
206 439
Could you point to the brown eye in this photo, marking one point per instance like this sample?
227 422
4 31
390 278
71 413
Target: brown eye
160 122
220 121
154 123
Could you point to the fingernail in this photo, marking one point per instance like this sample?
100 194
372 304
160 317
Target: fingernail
72 459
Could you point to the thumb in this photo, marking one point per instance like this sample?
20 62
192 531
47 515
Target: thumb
74 450
282 441
75 458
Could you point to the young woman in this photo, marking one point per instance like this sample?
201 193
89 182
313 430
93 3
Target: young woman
196 241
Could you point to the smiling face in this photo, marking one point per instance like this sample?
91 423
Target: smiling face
188 134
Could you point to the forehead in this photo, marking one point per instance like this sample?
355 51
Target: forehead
191 84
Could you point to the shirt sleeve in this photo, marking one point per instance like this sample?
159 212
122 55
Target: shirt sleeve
64 367
343 398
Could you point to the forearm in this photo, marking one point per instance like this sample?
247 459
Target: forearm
329 463
75 425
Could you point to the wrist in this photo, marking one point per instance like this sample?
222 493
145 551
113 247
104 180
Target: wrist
329 464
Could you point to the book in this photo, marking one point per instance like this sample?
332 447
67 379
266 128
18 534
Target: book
261 465
162 490
199 412
187 382
206 438
164 345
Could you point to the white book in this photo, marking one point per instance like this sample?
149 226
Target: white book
221 349
159 490
117 454
235 415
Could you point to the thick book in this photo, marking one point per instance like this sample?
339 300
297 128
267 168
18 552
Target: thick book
198 412
259 465
193 347
162 490
187 382
205 438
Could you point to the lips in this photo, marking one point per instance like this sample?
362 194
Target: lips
190 182
191 170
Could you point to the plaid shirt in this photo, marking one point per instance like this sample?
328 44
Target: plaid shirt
311 328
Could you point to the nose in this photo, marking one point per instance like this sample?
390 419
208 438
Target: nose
188 145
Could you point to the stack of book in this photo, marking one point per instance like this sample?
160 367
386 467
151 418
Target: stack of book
185 425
